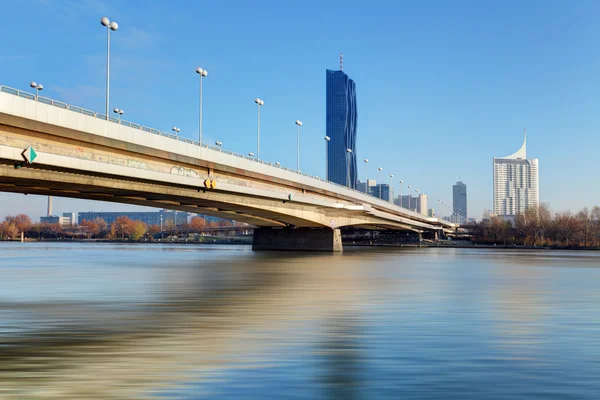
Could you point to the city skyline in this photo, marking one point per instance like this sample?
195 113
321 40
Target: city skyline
408 120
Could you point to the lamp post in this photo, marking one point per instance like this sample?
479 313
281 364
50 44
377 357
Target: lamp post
277 163
409 187
327 140
251 154
110 26
259 103
348 152
37 87
390 189
203 73
218 144
401 182
176 130
380 180
366 175
119 112
299 123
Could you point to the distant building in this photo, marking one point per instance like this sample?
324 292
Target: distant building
370 183
341 121
149 218
516 183
382 191
407 201
459 199
51 219
422 204
68 219
431 213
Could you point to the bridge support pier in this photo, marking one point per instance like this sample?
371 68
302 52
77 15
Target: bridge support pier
298 239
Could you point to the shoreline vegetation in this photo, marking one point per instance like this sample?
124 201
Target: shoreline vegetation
537 228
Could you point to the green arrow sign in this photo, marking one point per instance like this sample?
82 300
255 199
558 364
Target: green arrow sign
29 155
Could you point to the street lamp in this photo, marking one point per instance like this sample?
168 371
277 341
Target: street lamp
120 112
366 160
390 189
380 180
299 123
203 73
219 143
110 26
37 87
176 130
327 140
259 103
251 154
348 152
277 163
401 182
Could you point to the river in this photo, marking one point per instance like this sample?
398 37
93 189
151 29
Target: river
136 321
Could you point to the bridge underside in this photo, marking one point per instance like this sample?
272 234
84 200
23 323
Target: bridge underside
39 180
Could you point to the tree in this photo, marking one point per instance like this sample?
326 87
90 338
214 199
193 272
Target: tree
584 231
22 222
123 226
595 224
8 230
139 230
496 229
153 230
566 226
104 229
90 228
197 223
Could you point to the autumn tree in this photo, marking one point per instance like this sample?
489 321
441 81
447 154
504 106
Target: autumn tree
197 223
102 226
122 226
90 228
139 229
153 229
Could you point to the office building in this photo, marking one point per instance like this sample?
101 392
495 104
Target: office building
431 213
407 201
65 221
51 219
459 199
516 183
382 191
68 219
341 123
149 218
370 184
422 204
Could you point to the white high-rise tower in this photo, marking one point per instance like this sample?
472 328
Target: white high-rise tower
516 183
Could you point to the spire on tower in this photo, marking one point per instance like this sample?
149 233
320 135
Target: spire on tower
341 61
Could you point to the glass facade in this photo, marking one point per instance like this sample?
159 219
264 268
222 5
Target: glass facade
341 128
459 199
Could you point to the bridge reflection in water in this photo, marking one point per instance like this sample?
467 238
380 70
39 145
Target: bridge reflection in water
181 325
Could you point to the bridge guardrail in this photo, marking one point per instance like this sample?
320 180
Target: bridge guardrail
60 104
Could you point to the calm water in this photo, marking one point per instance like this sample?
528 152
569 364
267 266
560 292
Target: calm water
165 321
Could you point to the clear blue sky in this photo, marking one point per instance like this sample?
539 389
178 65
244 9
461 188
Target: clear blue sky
442 86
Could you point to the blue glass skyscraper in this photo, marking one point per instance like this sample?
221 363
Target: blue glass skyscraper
341 128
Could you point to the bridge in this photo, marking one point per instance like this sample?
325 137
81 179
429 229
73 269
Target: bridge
78 153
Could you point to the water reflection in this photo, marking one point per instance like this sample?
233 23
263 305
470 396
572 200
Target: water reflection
101 321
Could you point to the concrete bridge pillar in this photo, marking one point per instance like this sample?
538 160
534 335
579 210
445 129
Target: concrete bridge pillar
298 239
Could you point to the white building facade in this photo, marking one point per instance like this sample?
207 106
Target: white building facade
516 183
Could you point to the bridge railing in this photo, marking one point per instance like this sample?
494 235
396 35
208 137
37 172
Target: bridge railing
65 106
